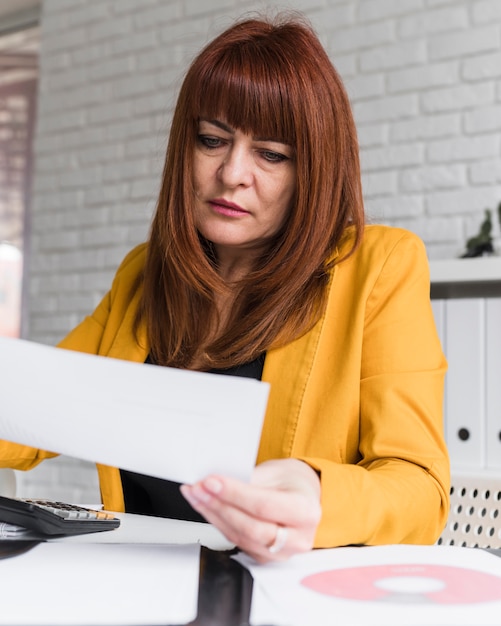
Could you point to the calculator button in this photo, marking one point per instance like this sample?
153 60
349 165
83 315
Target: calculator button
70 511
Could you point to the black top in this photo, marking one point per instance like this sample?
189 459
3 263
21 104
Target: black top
148 495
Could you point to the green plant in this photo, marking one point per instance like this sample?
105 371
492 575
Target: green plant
482 243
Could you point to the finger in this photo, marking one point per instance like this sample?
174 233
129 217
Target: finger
255 537
251 534
285 507
232 521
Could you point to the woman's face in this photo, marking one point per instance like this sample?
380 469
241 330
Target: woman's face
244 188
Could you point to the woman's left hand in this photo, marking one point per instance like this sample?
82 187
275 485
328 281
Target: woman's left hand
272 517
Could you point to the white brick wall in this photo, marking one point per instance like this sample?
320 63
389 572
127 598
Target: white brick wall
424 77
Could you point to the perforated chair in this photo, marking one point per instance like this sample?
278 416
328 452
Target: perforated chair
475 513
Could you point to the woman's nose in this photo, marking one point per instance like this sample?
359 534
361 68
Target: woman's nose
236 168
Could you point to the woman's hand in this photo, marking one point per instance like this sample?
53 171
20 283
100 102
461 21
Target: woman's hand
272 517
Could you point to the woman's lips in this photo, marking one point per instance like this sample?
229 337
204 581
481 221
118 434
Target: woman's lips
227 208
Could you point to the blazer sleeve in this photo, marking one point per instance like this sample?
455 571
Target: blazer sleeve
398 492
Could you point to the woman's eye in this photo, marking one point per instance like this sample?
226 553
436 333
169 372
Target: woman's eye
273 157
209 141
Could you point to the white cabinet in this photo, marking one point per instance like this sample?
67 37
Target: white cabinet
466 300
493 383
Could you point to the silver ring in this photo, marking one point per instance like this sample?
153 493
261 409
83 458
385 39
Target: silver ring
280 540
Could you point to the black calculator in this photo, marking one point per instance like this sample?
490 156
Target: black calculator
48 518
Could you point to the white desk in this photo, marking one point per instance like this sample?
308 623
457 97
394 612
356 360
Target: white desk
141 529
147 572
144 572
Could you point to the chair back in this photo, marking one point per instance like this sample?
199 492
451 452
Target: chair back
475 512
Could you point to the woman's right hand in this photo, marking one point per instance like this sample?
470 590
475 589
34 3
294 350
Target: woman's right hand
271 518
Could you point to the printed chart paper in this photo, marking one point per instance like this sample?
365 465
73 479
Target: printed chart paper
398 585
165 422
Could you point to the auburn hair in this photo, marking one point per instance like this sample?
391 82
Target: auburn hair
269 78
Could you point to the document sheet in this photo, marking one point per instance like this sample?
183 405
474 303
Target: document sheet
169 423
63 584
397 585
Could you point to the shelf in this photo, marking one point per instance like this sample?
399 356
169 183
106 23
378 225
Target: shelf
474 270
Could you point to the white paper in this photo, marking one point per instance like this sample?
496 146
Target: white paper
396 585
83 584
169 423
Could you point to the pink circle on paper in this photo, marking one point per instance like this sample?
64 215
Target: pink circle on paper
436 583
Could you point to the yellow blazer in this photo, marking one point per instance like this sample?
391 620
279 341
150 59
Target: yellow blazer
359 397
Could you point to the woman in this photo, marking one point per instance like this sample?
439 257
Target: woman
259 264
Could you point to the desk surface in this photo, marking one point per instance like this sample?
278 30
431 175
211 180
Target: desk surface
224 588
157 530
224 593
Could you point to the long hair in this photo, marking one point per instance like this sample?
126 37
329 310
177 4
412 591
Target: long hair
270 79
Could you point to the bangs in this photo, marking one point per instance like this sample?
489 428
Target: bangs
247 89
